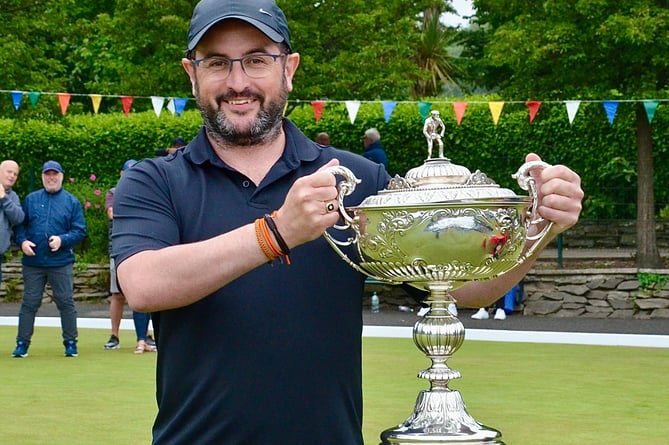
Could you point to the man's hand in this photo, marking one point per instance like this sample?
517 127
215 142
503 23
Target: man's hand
27 248
559 194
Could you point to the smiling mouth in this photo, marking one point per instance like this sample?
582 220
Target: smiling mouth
239 102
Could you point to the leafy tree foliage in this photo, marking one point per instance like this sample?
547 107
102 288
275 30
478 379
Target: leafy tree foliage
587 49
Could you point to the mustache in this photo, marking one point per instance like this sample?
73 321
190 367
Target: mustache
232 95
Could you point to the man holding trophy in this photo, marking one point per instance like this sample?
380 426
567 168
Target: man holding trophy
242 210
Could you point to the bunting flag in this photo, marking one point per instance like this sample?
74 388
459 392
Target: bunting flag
33 96
170 106
317 105
611 107
95 100
352 106
64 100
572 109
496 110
533 107
17 96
650 106
127 104
180 105
157 103
424 110
459 108
388 108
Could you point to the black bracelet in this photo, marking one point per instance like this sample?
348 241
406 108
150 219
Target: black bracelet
279 239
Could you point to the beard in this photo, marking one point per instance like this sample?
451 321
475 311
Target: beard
264 128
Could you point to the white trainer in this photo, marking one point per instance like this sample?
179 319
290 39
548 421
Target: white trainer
500 314
453 309
482 314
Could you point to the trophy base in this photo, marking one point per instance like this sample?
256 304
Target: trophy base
440 417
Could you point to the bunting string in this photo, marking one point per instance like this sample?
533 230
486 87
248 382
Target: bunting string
176 105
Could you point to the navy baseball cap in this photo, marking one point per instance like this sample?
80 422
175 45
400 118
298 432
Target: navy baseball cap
52 165
127 164
263 14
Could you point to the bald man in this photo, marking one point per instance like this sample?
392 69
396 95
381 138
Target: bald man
11 212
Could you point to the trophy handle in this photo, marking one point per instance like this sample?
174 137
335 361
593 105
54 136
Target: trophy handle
527 182
346 187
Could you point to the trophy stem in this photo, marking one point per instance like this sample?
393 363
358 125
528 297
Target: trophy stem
440 415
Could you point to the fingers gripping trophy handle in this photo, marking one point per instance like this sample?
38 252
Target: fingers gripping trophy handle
345 187
527 182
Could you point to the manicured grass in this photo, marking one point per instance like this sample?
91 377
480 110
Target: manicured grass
533 393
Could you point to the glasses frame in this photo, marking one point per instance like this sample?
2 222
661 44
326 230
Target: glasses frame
275 57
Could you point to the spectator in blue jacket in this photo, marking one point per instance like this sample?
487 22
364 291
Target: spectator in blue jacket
373 149
11 212
54 223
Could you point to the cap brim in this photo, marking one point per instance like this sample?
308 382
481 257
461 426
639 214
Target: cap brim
269 32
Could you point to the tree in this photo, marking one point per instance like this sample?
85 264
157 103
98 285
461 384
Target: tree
603 49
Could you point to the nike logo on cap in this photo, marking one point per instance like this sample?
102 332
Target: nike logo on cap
262 11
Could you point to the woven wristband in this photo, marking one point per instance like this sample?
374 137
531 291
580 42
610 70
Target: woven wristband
279 239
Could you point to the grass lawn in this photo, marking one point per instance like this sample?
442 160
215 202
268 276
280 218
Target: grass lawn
533 393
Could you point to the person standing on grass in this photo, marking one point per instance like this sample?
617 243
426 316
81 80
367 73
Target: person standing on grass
54 223
259 326
11 212
117 301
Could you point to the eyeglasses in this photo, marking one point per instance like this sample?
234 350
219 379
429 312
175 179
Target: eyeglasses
256 66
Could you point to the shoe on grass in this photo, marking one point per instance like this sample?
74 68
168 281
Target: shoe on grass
150 341
113 343
500 314
482 314
70 348
21 350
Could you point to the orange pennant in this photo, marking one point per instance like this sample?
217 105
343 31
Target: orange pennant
127 104
459 108
64 99
533 106
318 108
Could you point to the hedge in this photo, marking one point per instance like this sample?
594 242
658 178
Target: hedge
92 148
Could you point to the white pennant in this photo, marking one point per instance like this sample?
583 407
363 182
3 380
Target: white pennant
157 104
170 106
572 108
352 106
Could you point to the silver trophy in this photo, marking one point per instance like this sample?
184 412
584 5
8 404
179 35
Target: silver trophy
438 228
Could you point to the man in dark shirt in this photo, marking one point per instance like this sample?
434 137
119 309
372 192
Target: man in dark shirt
282 359
373 149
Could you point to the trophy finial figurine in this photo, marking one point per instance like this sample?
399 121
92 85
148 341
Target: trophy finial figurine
434 130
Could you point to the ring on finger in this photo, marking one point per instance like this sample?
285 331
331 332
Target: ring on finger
329 207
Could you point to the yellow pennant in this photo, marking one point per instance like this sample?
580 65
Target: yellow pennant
496 110
95 99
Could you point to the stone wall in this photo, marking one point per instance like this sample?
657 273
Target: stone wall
611 234
595 293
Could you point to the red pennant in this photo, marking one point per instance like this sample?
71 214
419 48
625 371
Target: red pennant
127 104
533 106
318 108
64 99
459 108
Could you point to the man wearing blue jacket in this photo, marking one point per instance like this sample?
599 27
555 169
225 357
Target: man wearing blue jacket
54 223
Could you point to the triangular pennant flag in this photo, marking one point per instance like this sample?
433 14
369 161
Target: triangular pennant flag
180 104
424 110
610 106
459 108
16 98
650 106
170 106
64 100
127 104
318 108
95 100
572 108
388 108
496 110
352 106
33 96
157 103
533 106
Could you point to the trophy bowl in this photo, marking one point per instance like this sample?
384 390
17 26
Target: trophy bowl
436 229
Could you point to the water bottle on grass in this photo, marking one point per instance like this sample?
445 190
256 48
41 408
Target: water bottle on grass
375 303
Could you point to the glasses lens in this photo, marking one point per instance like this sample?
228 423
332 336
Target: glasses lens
255 66
258 66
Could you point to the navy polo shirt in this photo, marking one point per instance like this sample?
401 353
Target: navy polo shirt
274 357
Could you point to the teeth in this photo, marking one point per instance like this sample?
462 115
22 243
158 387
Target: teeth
239 102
